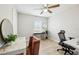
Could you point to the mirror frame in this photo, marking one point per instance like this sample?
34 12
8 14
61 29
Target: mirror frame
1 34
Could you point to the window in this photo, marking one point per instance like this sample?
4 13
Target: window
39 26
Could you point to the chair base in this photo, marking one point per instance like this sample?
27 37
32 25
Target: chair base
66 51
60 49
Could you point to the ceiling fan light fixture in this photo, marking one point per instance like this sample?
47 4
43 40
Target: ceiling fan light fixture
45 10
48 7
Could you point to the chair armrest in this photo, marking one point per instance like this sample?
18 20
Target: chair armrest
71 38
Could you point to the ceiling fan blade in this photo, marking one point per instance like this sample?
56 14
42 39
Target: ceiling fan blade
49 11
53 6
41 12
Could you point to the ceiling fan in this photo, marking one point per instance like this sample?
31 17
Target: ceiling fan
47 7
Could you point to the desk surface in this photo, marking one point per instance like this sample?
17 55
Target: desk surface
16 47
74 43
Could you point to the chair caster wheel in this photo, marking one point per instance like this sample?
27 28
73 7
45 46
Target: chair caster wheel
57 49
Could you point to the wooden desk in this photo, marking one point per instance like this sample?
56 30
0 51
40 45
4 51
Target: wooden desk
17 47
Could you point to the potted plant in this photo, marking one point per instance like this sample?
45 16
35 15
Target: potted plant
10 38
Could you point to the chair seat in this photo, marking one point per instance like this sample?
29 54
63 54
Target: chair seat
66 45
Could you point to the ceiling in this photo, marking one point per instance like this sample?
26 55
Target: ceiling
32 9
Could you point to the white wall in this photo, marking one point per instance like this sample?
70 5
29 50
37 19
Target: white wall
25 24
9 11
6 11
67 20
14 13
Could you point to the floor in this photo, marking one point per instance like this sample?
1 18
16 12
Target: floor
49 47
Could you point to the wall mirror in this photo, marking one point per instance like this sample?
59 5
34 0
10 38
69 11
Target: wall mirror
6 28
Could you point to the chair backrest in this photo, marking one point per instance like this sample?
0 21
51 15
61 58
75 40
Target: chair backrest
34 44
61 35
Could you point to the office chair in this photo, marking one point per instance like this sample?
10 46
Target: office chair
65 47
34 45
